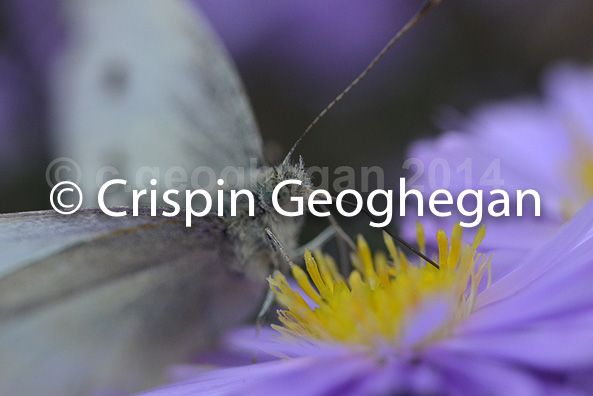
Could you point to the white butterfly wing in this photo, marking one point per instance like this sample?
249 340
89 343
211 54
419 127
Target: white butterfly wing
116 301
146 90
94 304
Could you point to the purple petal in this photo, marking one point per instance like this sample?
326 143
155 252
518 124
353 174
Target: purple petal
542 259
562 344
429 318
272 343
563 289
570 94
467 375
305 375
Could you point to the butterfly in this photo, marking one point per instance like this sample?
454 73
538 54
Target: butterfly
91 303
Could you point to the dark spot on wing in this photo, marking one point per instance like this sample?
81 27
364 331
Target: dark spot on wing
115 78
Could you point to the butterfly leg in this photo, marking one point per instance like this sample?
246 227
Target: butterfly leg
316 242
265 309
344 243
269 300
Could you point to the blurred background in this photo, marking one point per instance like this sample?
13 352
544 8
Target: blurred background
294 57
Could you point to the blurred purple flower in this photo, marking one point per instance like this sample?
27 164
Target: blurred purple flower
11 104
326 42
528 334
28 45
545 145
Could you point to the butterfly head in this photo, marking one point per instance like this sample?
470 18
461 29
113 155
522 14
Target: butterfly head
284 188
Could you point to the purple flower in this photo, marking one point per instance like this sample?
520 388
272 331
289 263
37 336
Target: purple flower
541 144
396 328
32 35
327 42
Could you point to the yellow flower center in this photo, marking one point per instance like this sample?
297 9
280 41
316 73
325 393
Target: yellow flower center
581 176
374 304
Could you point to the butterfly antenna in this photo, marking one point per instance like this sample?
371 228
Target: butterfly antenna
426 8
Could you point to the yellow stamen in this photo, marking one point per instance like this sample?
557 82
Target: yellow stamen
579 169
443 244
378 298
479 237
313 271
420 237
301 277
